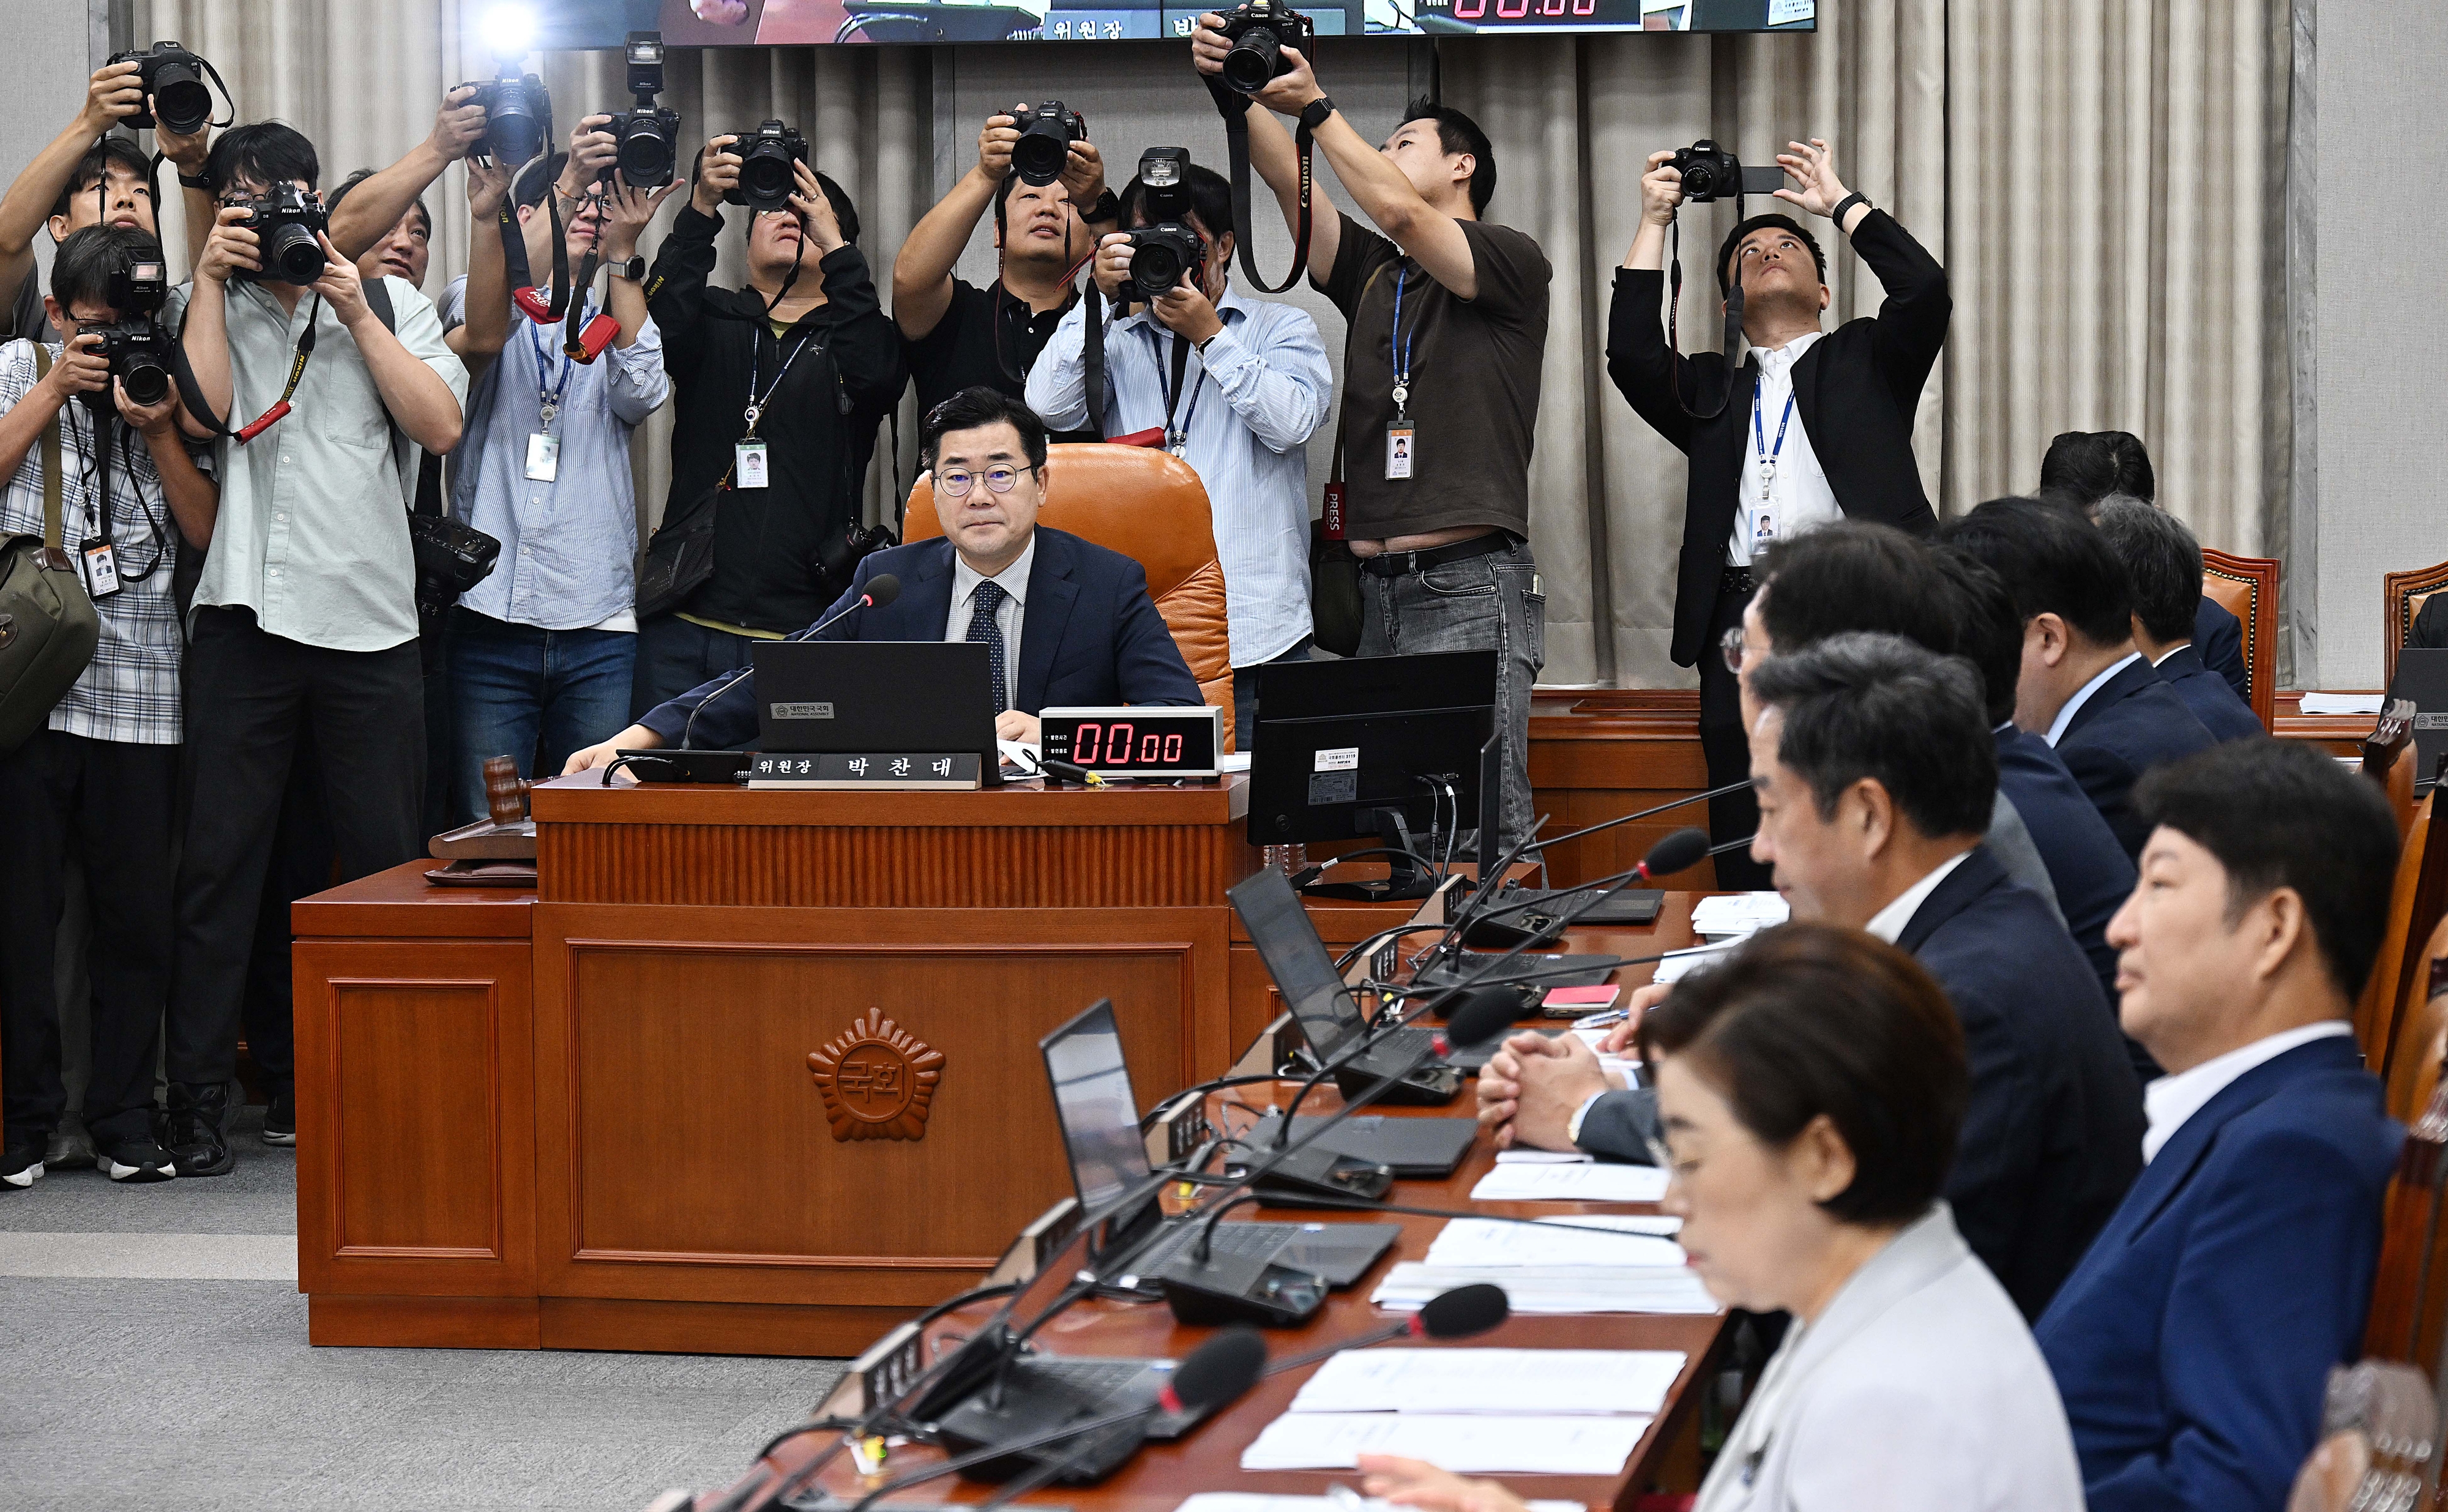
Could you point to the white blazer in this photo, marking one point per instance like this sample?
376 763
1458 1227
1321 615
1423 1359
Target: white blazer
1918 1390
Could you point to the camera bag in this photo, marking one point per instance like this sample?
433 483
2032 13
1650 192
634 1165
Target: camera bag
49 627
451 555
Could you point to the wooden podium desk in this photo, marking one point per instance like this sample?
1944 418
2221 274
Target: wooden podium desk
748 1072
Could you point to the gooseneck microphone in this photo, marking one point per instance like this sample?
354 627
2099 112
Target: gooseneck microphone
1464 1312
1369 1039
881 589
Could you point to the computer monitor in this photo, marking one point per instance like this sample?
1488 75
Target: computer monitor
1370 746
1094 1104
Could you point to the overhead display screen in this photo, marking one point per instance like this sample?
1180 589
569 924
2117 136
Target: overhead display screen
583 24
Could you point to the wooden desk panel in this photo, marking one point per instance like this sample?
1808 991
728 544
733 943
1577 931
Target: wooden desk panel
1598 756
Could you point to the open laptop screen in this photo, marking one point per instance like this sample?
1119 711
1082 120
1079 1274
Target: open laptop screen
1093 1102
1296 958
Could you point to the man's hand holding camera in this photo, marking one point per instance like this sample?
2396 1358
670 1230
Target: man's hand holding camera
232 247
82 368
1186 311
817 221
1811 166
718 174
158 421
626 214
592 149
458 126
115 92
1287 95
342 289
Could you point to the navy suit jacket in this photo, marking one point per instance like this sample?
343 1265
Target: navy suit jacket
2218 635
1089 635
2132 723
2092 873
2193 1344
2207 694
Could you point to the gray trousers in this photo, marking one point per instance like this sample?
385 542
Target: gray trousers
1479 603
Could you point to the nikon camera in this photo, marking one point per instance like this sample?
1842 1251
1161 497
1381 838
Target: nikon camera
518 115
285 224
1045 137
647 138
1259 30
768 157
138 347
176 99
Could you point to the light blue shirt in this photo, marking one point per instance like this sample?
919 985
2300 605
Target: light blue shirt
570 546
1252 399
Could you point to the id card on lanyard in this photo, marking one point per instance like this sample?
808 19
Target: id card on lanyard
1400 438
1764 515
544 445
748 460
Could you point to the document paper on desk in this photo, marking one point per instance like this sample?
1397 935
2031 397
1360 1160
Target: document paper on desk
1466 1446
1254 1501
1738 913
1595 1182
1595 1239
1570 1383
1554 1289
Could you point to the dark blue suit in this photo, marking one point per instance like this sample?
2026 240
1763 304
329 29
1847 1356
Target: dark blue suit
2207 694
2091 871
2192 1347
2134 721
2219 637
1089 635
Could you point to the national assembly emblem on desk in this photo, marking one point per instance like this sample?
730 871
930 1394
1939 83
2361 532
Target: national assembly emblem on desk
877 1079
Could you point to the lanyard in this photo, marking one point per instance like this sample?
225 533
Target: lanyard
756 350
1176 441
297 371
1399 346
1759 432
549 400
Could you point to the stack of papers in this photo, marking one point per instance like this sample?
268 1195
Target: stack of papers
1681 964
1733 916
1466 1446
1576 1182
1594 1239
2342 702
1553 1289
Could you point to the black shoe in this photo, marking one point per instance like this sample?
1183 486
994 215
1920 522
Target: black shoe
21 1159
138 1159
196 1131
280 1118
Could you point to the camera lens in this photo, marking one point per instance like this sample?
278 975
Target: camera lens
1037 157
146 380
290 252
512 134
1251 65
645 156
181 101
1156 268
765 177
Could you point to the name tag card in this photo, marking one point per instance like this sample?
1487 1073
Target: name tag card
884 770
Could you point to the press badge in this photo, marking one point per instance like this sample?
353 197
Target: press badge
543 457
748 464
1398 450
100 569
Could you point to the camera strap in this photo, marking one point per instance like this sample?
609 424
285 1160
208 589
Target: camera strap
1235 107
1734 321
192 394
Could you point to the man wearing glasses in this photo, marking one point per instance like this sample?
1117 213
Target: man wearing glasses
1068 624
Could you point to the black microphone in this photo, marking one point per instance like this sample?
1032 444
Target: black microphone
1459 1314
881 589
1368 1039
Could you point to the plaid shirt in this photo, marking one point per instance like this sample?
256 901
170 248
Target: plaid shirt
131 693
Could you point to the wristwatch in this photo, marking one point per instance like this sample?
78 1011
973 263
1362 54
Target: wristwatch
1314 115
1573 1127
1844 207
195 181
634 270
1107 206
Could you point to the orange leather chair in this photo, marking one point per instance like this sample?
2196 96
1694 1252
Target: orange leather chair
1149 506
2402 595
2248 588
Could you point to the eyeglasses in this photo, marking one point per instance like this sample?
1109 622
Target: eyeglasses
1730 646
954 483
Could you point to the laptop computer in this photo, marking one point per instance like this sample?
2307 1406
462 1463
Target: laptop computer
823 697
1101 1133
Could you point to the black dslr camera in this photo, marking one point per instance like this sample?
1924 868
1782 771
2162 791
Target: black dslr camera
176 99
1161 253
1045 137
767 160
1259 30
138 347
647 138
1711 173
285 224
518 114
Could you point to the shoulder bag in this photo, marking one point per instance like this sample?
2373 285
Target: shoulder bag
47 625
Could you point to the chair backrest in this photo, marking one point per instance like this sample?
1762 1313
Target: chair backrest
2409 1305
2416 905
2402 595
2248 588
1149 506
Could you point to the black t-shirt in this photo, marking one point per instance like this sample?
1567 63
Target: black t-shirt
986 336
1474 386
26 317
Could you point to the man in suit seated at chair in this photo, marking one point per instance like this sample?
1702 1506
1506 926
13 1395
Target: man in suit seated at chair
2084 689
2192 1344
1875 768
2163 563
1069 624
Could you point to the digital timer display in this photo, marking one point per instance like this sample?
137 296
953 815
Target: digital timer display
1140 740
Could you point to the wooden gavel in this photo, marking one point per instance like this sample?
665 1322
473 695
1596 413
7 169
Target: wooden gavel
505 792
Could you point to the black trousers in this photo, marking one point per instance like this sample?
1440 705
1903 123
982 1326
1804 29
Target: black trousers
675 655
1726 746
249 696
109 804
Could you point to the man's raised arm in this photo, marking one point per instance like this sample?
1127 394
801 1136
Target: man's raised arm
1274 158
370 209
110 96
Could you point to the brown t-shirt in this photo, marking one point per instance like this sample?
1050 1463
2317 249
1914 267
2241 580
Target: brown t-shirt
1474 389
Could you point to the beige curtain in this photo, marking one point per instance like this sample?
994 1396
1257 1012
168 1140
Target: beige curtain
2096 175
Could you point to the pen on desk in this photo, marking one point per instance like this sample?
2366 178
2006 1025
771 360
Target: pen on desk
1597 1021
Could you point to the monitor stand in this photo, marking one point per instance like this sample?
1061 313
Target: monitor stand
1404 881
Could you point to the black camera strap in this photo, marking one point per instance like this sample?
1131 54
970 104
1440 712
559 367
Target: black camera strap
1235 107
192 394
1734 320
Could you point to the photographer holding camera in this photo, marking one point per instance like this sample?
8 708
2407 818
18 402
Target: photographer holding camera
770 384
1231 385
543 651
1756 475
85 177
1441 366
96 783
306 614
956 336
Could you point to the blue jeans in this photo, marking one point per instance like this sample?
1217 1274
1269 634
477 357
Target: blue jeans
1245 693
1489 602
534 695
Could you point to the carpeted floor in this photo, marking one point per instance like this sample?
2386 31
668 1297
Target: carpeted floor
153 1369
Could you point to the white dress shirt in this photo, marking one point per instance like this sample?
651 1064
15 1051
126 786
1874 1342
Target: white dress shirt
2171 1099
1252 397
1781 501
1013 580
1889 921
2082 696
1918 1389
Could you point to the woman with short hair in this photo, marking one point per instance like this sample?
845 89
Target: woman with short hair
1809 1091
